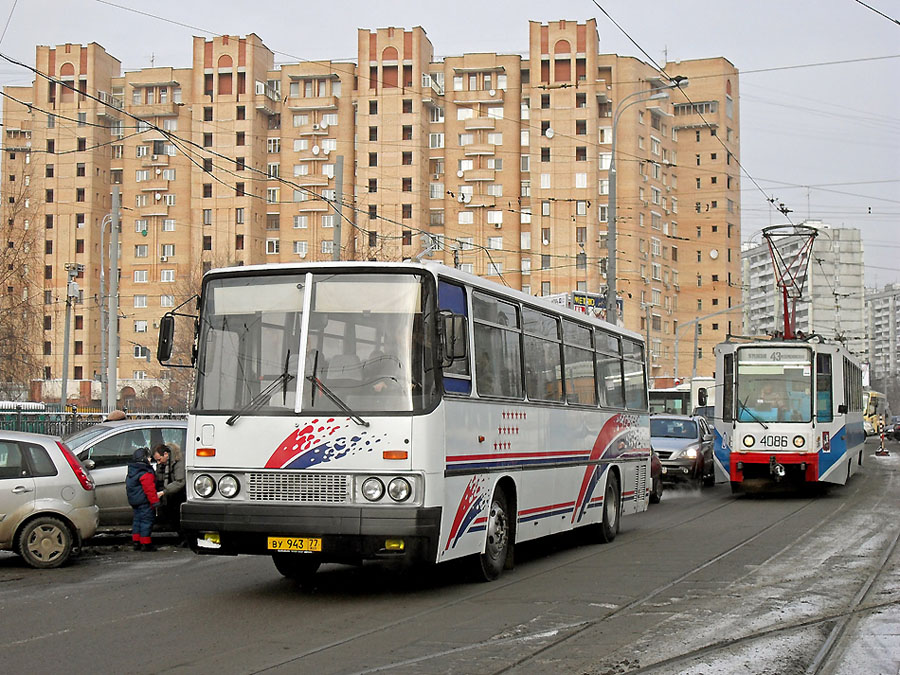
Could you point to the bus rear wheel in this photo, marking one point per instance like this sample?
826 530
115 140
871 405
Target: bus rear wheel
498 547
296 566
609 527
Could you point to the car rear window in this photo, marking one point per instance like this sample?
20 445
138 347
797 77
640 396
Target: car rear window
41 463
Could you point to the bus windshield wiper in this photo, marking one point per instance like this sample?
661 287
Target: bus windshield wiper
743 405
260 398
321 386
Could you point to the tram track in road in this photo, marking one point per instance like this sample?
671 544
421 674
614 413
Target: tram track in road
558 633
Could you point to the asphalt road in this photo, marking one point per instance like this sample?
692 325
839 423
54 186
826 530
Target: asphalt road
702 583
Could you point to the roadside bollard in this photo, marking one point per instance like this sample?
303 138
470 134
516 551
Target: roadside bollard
882 451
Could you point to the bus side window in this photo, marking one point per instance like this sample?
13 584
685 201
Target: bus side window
824 412
457 376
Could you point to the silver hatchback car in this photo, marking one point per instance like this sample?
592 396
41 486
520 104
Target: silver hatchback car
108 447
47 503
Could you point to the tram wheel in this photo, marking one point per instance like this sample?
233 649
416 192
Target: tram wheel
490 564
609 527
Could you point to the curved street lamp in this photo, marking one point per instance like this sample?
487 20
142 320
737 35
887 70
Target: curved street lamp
654 94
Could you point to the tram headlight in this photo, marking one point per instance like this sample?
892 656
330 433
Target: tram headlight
749 441
373 489
229 486
204 485
399 489
799 441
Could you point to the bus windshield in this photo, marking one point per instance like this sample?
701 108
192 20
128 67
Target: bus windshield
368 344
774 385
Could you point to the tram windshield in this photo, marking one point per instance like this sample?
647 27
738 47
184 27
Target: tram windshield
774 384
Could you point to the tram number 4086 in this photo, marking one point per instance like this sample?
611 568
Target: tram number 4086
774 441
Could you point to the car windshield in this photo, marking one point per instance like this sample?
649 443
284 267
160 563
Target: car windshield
667 428
368 345
85 435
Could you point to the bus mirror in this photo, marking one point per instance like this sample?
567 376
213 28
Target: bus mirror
453 338
166 336
701 396
842 409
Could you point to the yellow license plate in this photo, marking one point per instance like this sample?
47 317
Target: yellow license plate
295 544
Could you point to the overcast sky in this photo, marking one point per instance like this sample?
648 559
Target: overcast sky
822 139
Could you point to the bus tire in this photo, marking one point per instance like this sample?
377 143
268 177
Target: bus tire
498 545
609 526
296 566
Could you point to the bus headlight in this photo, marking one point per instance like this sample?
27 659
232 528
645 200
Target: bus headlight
799 441
399 489
229 486
204 485
749 441
373 489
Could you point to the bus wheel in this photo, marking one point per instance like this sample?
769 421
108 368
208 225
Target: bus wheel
611 509
297 566
491 563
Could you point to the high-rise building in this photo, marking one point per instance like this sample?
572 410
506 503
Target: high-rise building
833 302
497 162
883 333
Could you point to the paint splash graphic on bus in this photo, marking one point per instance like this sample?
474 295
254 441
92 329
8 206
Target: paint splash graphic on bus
319 442
470 506
620 437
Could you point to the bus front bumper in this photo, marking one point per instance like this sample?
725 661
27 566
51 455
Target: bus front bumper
347 533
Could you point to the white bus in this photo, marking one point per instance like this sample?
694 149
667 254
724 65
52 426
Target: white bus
790 411
351 411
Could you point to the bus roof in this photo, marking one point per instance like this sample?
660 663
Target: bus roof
434 268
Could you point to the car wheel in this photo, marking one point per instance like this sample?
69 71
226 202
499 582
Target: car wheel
297 566
609 527
490 564
45 542
656 492
710 478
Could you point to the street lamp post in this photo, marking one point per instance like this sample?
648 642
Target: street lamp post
654 94
694 323
104 317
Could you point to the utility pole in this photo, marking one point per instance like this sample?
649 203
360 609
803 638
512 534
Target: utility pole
113 312
338 202
72 270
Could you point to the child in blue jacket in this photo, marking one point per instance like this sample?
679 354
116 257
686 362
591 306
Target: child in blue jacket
140 486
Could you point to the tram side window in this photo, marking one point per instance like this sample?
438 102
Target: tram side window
635 376
543 364
498 357
728 389
579 360
609 371
824 411
457 376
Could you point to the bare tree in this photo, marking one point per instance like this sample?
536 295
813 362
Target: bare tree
21 288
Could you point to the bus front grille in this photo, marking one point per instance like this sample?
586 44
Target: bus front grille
294 487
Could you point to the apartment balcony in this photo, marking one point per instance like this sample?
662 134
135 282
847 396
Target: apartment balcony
314 206
480 150
153 185
480 123
312 130
157 208
155 110
314 103
469 97
311 180
478 175
154 160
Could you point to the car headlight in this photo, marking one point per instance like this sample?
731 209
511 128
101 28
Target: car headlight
749 441
229 486
690 452
204 485
399 489
373 489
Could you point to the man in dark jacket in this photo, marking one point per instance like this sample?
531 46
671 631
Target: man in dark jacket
140 486
170 480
